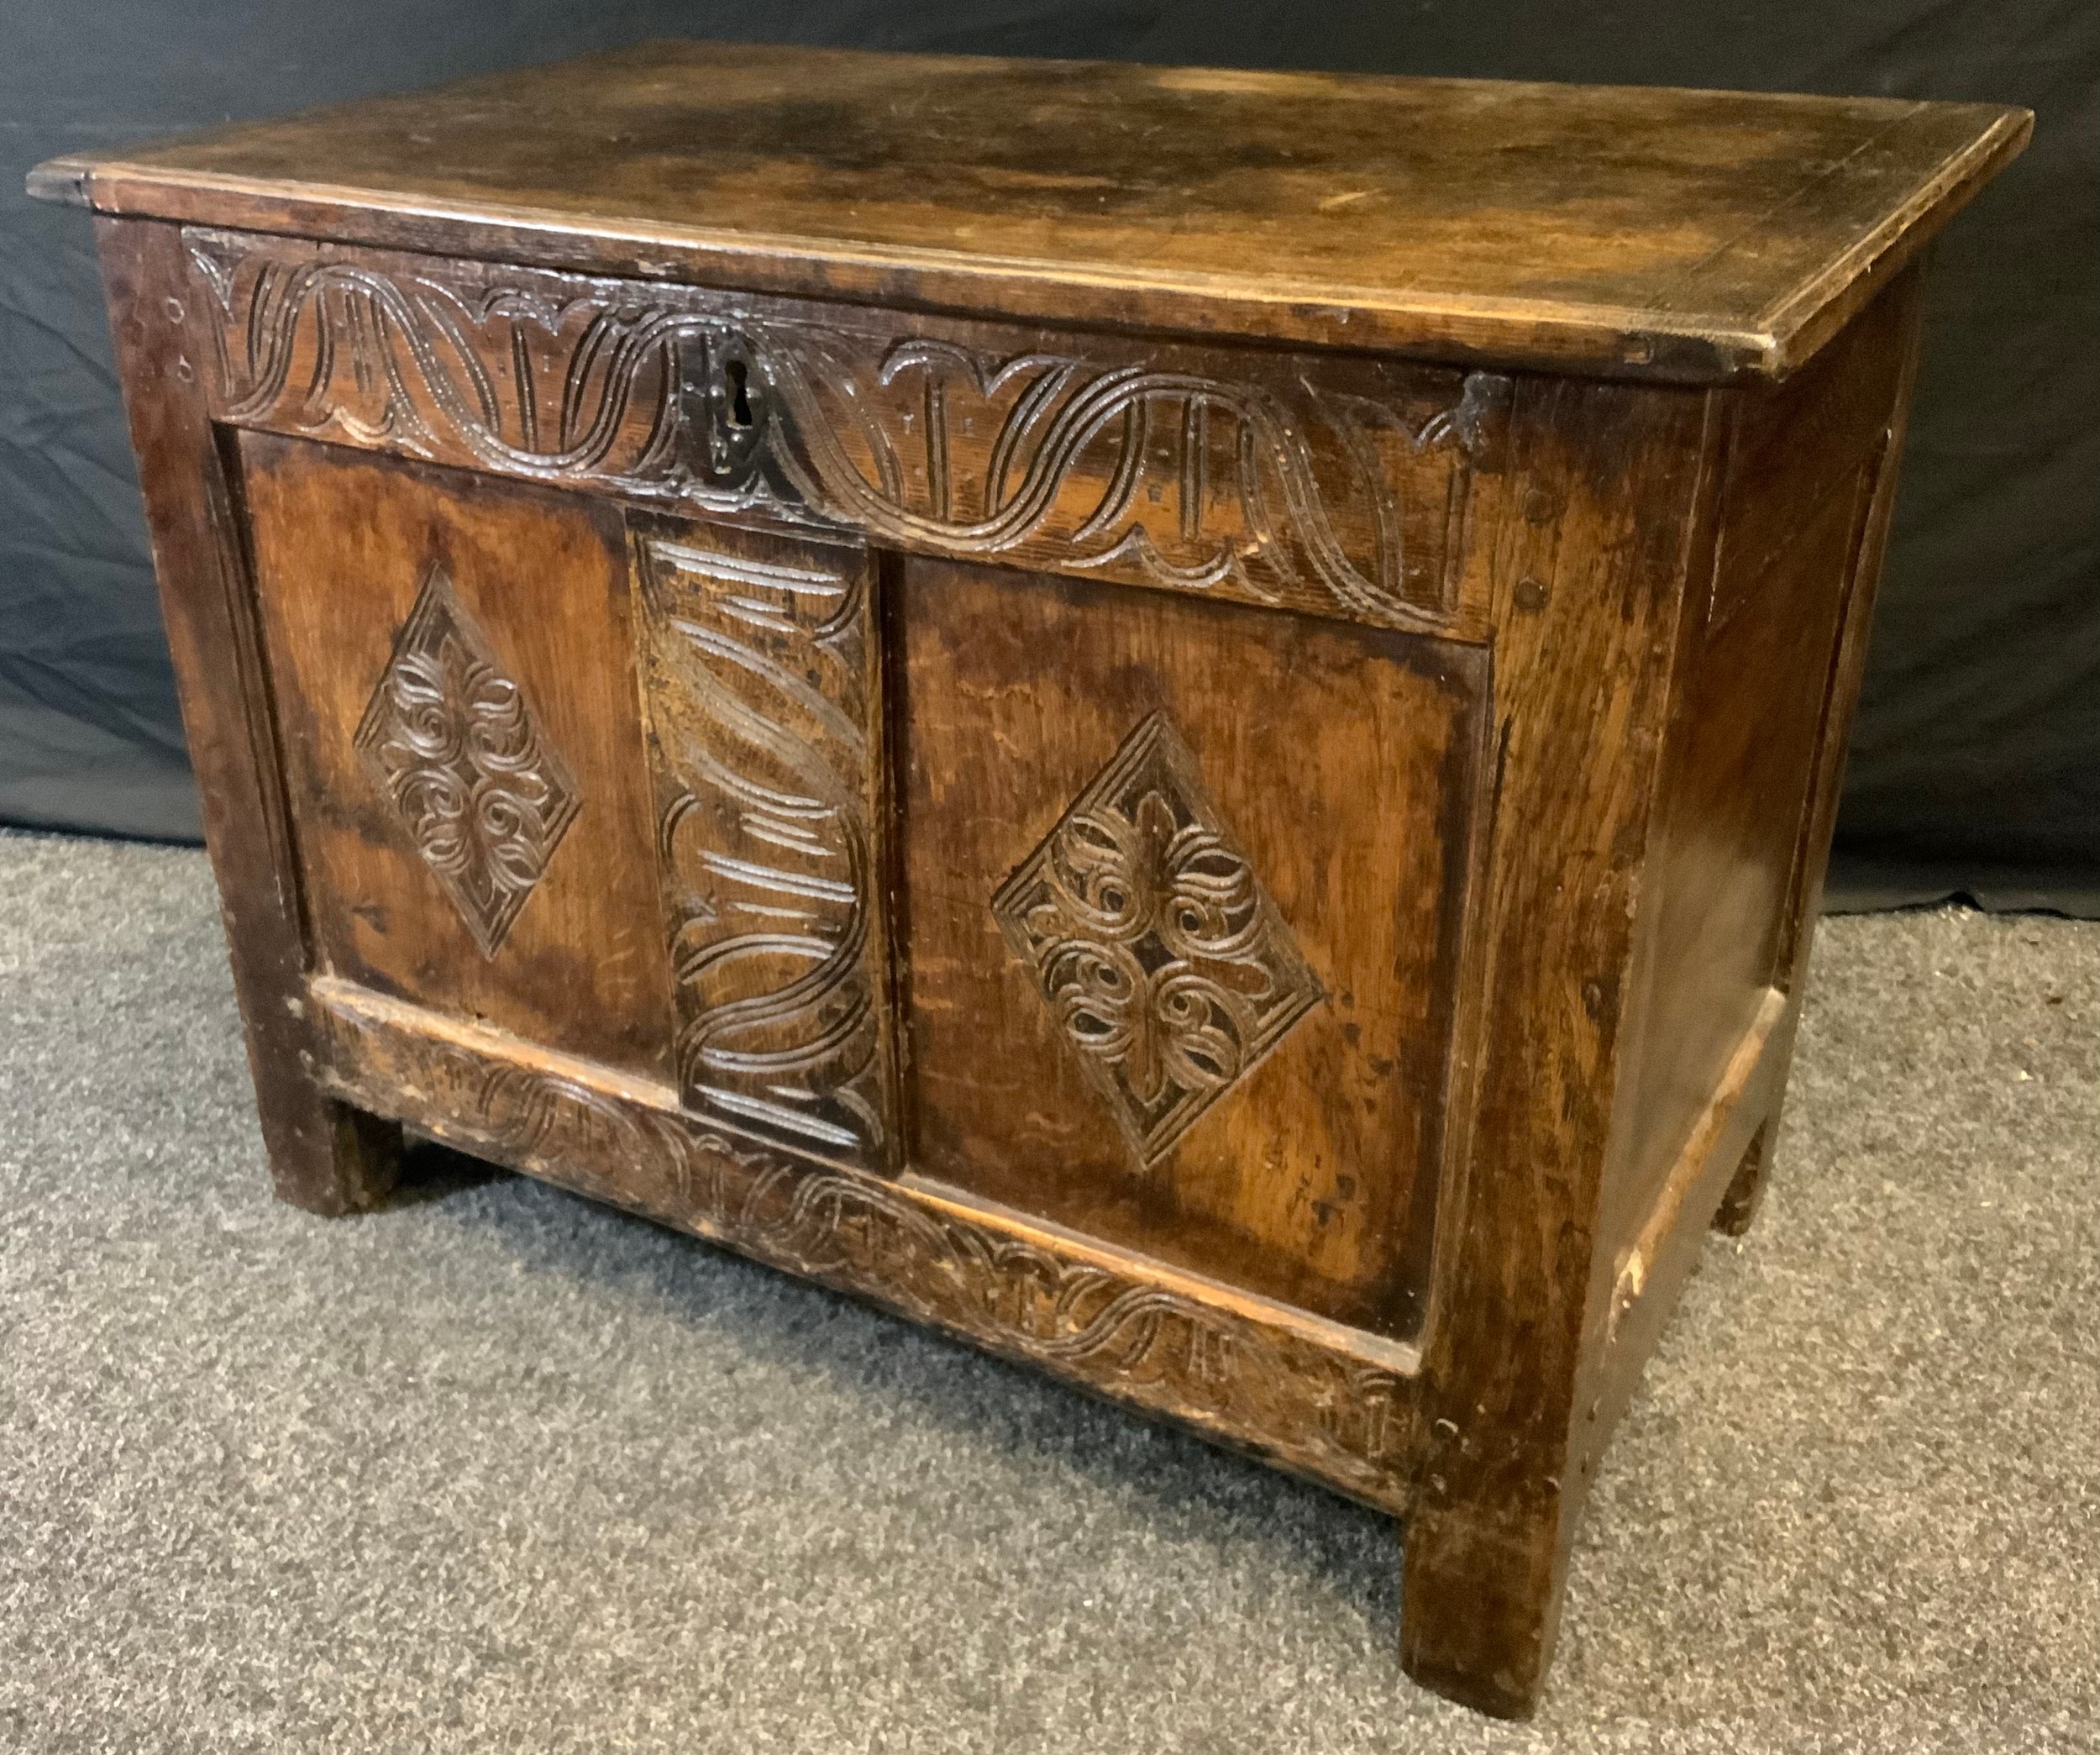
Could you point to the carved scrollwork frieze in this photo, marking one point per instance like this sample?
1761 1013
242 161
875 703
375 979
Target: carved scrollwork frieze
1336 486
1346 1419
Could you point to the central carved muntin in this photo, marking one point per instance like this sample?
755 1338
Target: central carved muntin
1164 961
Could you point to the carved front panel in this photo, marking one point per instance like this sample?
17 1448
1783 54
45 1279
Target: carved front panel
452 669
1184 884
759 673
1338 485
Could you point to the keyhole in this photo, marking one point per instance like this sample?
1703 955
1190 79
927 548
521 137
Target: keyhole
740 401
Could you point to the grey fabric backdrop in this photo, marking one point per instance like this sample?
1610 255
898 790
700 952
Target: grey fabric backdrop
1975 763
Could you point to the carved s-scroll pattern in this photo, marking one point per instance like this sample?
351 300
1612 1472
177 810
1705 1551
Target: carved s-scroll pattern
1162 959
758 671
546 378
1335 486
1147 472
1348 1422
452 745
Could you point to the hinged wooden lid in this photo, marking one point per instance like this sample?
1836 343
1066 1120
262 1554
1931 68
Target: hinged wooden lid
1697 236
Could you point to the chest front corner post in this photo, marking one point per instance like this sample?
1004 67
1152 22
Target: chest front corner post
1611 484
324 1155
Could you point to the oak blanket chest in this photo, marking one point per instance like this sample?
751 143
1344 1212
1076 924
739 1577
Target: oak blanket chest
1184 722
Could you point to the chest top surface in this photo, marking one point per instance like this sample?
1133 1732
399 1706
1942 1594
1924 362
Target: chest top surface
1697 236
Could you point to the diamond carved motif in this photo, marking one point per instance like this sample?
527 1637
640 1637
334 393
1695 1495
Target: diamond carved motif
1162 957
453 746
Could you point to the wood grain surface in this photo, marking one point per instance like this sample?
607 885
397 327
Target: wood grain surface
1590 590
1689 234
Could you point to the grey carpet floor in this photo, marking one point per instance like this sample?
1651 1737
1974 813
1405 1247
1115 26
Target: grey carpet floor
499 1470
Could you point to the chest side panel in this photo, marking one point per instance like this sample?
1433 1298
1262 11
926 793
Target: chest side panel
1752 703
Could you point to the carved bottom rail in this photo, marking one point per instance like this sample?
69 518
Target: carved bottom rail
1313 1396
